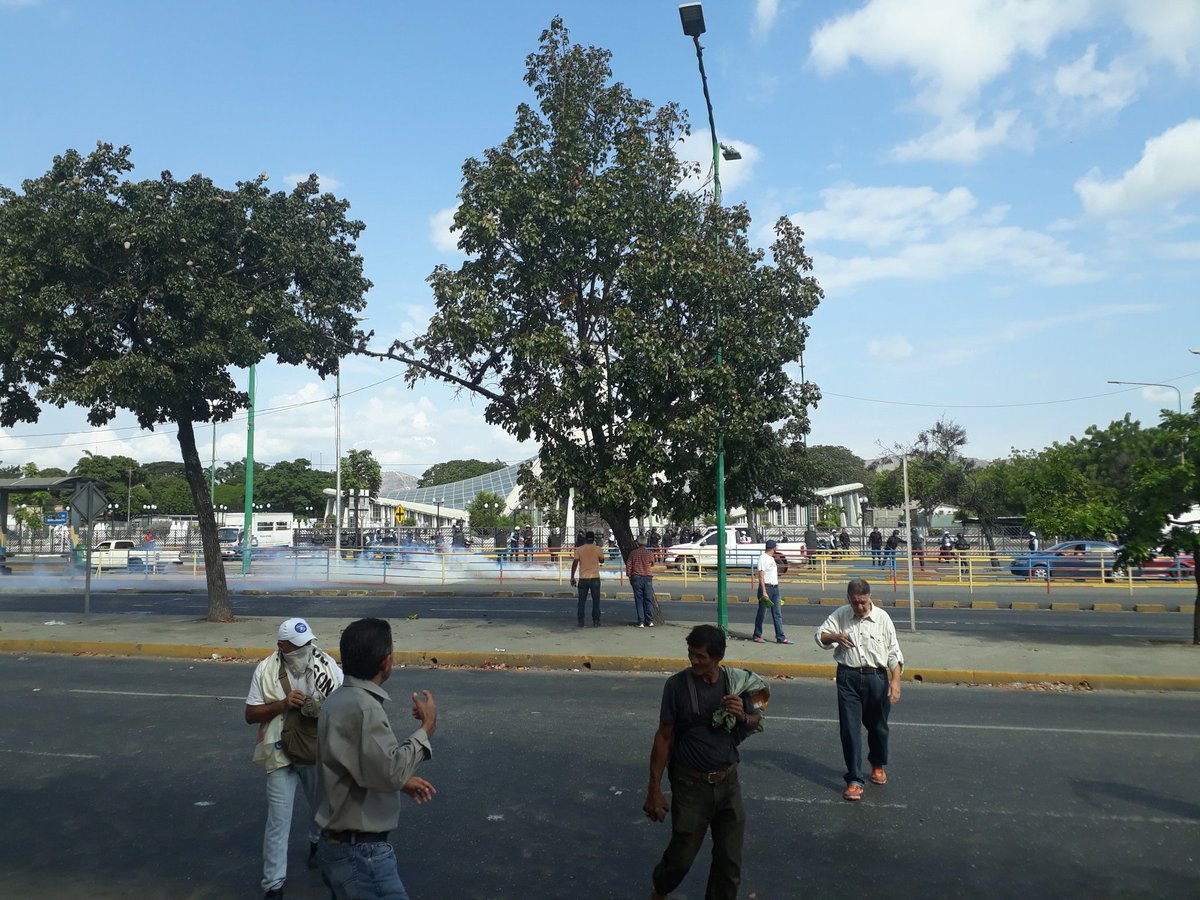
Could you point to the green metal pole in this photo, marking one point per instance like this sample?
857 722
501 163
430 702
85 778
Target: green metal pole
722 591
212 469
248 516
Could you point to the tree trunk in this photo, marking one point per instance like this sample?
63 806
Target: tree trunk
986 529
1196 601
219 608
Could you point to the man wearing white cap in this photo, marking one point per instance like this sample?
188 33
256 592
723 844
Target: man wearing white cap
299 676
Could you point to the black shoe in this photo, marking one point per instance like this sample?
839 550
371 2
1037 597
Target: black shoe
274 894
312 854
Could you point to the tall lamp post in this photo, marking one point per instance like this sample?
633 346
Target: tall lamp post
1178 398
438 526
691 16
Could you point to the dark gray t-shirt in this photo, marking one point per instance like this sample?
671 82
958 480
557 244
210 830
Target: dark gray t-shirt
695 742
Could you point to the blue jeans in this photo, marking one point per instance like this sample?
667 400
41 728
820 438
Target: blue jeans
776 613
281 796
643 597
862 702
592 586
361 871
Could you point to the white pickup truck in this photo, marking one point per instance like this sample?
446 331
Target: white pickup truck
121 553
741 551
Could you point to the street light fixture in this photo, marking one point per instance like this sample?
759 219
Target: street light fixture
1178 399
691 16
439 513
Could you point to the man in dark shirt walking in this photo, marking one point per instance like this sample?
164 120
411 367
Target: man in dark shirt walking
706 712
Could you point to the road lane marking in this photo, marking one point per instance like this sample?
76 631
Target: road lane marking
1022 813
1086 731
490 609
44 753
153 694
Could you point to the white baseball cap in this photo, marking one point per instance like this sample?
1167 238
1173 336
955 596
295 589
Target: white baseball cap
296 631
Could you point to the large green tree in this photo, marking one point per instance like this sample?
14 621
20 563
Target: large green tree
145 295
294 486
597 294
936 470
1163 495
457 470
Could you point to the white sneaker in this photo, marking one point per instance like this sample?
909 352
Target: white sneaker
640 625
649 624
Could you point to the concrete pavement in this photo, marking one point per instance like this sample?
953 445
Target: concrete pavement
934 656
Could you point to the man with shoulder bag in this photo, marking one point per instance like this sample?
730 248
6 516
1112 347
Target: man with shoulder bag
285 698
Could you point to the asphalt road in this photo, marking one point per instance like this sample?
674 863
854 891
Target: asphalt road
131 778
1044 625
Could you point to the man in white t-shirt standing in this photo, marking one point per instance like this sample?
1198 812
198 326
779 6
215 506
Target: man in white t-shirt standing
768 595
312 675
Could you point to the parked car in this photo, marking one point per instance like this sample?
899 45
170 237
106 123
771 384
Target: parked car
1175 567
1070 559
117 554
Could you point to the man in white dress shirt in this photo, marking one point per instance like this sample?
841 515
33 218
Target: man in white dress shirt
870 664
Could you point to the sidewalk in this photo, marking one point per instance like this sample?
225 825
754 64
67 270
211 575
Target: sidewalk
933 656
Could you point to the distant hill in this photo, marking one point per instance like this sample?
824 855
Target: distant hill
396 482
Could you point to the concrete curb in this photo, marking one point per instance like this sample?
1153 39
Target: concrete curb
607 663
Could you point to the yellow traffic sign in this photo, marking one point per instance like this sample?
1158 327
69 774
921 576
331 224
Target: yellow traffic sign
400 514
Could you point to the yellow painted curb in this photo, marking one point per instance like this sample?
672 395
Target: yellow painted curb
419 594
1149 607
357 593
507 594
393 594
1065 607
945 604
328 593
1189 608
1107 607
691 598
302 592
615 663
904 603
983 604
832 601
660 597
533 594
624 595
1025 604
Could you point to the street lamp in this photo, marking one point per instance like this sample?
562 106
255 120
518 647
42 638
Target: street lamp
691 16
1178 397
439 514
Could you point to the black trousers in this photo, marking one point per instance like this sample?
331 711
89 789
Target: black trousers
862 703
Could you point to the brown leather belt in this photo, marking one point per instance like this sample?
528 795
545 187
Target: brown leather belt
707 777
354 837
865 670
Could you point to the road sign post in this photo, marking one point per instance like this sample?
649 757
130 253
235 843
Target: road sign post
88 501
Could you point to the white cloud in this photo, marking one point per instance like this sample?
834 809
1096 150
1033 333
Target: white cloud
1099 91
958 139
697 147
765 12
1170 28
954 48
1181 250
1168 171
877 216
327 182
893 348
932 236
440 233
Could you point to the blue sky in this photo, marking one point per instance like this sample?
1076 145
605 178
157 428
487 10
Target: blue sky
1001 196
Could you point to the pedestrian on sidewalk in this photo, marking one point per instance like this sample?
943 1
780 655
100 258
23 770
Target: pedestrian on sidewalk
706 711
768 594
869 667
363 769
288 688
894 540
588 559
875 542
641 578
917 536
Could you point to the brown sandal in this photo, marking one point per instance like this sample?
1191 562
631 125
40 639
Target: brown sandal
853 791
878 776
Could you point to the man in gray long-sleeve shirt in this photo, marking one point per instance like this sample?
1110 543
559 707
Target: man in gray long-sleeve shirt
362 769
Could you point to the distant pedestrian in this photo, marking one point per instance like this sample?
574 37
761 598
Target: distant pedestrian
1034 544
514 543
961 547
768 595
613 552
707 710
869 669
288 689
945 546
843 540
641 579
918 546
890 546
587 561
363 769
810 545
875 542
527 540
